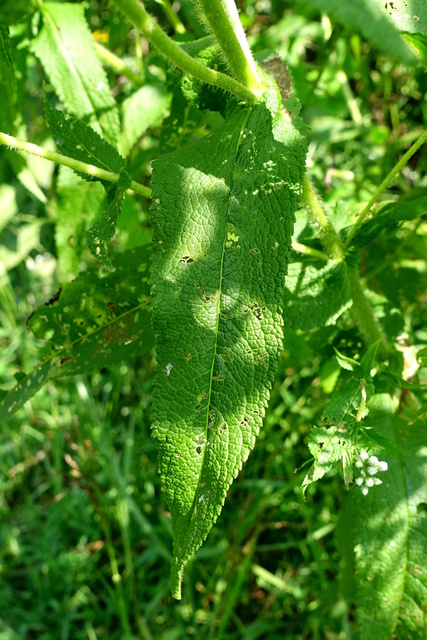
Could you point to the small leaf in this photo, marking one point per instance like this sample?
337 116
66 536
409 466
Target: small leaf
104 227
345 362
66 50
143 109
98 320
422 357
76 140
388 217
315 294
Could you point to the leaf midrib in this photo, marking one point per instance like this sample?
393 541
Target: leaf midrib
208 407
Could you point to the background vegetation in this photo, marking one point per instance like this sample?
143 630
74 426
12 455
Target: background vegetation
85 535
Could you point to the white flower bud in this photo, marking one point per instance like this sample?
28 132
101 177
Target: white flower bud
377 481
383 465
373 460
363 455
359 481
369 482
359 464
372 470
365 491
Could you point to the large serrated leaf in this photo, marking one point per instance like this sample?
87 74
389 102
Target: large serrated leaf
316 294
66 50
390 531
98 320
223 218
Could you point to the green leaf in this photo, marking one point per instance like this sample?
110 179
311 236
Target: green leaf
104 227
389 218
408 16
336 441
75 139
223 218
390 530
315 294
372 22
422 357
327 447
419 44
7 81
98 320
344 362
6 60
143 109
12 11
66 50
78 203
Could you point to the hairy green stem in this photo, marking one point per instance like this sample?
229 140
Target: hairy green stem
118 65
77 165
173 52
402 162
224 22
361 307
318 216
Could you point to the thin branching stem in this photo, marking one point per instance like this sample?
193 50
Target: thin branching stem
402 162
82 167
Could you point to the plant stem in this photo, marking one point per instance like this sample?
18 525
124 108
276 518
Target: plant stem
77 165
118 65
173 52
364 316
408 155
308 251
172 17
224 21
318 216
361 307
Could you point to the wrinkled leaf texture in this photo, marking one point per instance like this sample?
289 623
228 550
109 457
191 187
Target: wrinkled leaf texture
223 218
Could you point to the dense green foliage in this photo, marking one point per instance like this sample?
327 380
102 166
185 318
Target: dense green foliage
267 297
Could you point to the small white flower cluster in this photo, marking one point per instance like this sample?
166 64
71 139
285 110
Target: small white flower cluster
366 468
